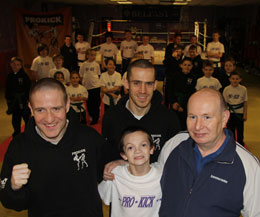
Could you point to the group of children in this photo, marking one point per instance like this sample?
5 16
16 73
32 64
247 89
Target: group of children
184 81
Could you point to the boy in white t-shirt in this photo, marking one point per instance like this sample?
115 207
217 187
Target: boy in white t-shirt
146 49
58 62
215 50
77 94
110 84
42 64
108 50
135 190
235 96
90 72
128 48
81 48
207 81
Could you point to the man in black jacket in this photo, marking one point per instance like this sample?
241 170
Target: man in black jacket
141 107
51 169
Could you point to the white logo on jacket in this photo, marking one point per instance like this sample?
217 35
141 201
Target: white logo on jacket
80 158
156 141
2 183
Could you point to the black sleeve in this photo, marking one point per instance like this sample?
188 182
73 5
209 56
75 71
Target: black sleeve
17 200
168 51
171 90
28 85
8 88
174 125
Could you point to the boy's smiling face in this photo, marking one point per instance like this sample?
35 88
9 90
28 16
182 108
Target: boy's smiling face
235 80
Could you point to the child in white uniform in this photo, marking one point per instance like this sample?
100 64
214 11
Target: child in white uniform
90 72
146 49
108 50
81 48
58 61
42 64
128 48
207 80
110 84
215 50
136 190
77 94
235 96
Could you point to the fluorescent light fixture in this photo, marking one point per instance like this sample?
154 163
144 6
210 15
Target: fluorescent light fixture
124 2
179 3
118 0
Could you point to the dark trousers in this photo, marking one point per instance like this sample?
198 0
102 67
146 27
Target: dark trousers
93 103
125 63
236 124
17 116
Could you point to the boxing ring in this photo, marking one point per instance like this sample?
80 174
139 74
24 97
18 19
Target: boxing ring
158 39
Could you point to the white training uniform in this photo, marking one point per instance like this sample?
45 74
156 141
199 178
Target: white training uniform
128 48
108 50
78 91
146 50
89 72
210 82
110 81
215 47
186 50
42 66
138 196
82 46
65 72
235 96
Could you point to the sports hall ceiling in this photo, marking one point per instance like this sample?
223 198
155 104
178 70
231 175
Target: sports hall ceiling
163 2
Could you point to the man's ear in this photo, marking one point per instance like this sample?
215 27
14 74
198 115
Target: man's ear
152 150
155 84
226 115
68 105
30 107
123 156
126 83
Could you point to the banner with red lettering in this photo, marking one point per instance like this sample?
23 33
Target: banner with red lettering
33 28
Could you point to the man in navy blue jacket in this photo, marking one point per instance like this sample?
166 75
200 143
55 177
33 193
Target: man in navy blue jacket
208 174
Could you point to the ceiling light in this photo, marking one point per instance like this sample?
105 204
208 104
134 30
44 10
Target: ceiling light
180 3
124 2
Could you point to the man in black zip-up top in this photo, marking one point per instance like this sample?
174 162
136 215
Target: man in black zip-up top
141 107
51 168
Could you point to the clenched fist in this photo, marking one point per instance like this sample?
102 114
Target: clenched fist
20 176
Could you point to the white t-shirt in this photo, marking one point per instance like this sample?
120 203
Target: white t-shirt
90 71
235 96
186 50
128 48
108 50
79 91
146 50
42 66
65 72
210 82
215 47
138 196
83 46
110 81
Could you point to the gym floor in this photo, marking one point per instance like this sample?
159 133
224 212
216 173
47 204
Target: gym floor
252 133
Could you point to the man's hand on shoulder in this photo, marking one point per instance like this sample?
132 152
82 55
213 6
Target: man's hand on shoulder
108 175
20 176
